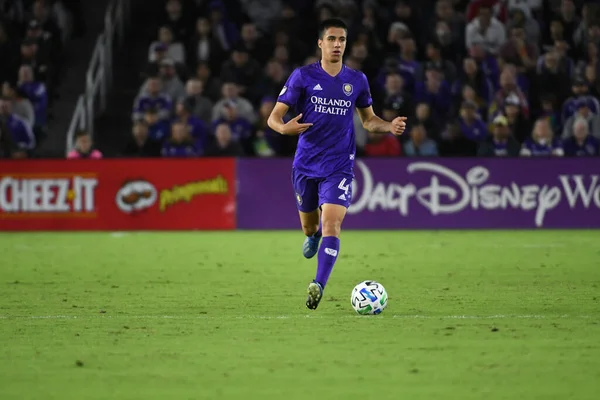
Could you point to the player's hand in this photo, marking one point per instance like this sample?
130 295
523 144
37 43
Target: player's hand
398 125
293 127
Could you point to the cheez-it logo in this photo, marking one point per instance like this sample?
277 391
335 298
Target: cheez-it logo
38 194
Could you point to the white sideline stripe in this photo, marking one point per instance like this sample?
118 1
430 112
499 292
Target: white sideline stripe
221 317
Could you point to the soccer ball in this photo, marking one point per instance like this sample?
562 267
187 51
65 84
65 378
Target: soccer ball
369 298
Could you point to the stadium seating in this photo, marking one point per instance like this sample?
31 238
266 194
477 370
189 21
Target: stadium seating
39 42
464 73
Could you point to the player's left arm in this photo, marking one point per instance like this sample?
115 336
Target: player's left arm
370 121
373 123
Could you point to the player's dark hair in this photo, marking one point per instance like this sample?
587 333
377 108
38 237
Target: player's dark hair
331 23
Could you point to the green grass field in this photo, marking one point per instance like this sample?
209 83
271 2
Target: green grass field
471 315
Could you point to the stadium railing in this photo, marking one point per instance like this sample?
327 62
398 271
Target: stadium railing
99 75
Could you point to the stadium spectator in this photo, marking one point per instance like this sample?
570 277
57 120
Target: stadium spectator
548 111
241 68
591 77
584 113
161 58
468 94
180 143
211 85
581 143
21 105
15 130
39 62
454 143
486 63
177 20
36 93
408 64
271 83
255 44
263 13
158 129
520 18
171 84
152 96
395 97
436 60
447 15
230 93
205 47
140 145
224 146
296 50
201 105
42 14
471 125
518 123
359 52
241 128
48 44
580 91
419 145
222 27
84 148
173 50
550 77
281 54
423 116
542 141
486 30
509 86
268 142
402 13
473 86
519 50
196 128
501 142
158 52
435 91
382 146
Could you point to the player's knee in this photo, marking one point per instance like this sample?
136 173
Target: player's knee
332 227
310 229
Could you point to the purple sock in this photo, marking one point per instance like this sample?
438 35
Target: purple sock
328 253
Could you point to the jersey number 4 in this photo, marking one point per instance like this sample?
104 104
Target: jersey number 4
343 186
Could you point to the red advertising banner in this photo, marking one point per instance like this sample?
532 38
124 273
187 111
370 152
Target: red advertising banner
118 194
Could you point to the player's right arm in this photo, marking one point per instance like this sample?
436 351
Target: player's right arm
289 95
292 127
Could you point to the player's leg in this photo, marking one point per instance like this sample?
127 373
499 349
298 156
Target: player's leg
310 226
307 201
335 195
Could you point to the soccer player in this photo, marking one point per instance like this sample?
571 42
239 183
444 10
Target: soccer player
325 94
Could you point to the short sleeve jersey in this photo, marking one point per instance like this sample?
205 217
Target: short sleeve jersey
328 102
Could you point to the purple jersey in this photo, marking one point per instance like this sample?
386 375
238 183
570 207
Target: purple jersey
589 147
328 146
533 148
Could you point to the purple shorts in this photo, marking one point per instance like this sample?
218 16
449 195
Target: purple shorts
311 193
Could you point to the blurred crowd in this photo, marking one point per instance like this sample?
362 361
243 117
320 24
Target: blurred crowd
479 77
32 38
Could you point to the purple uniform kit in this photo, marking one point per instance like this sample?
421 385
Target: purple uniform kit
324 96
324 160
